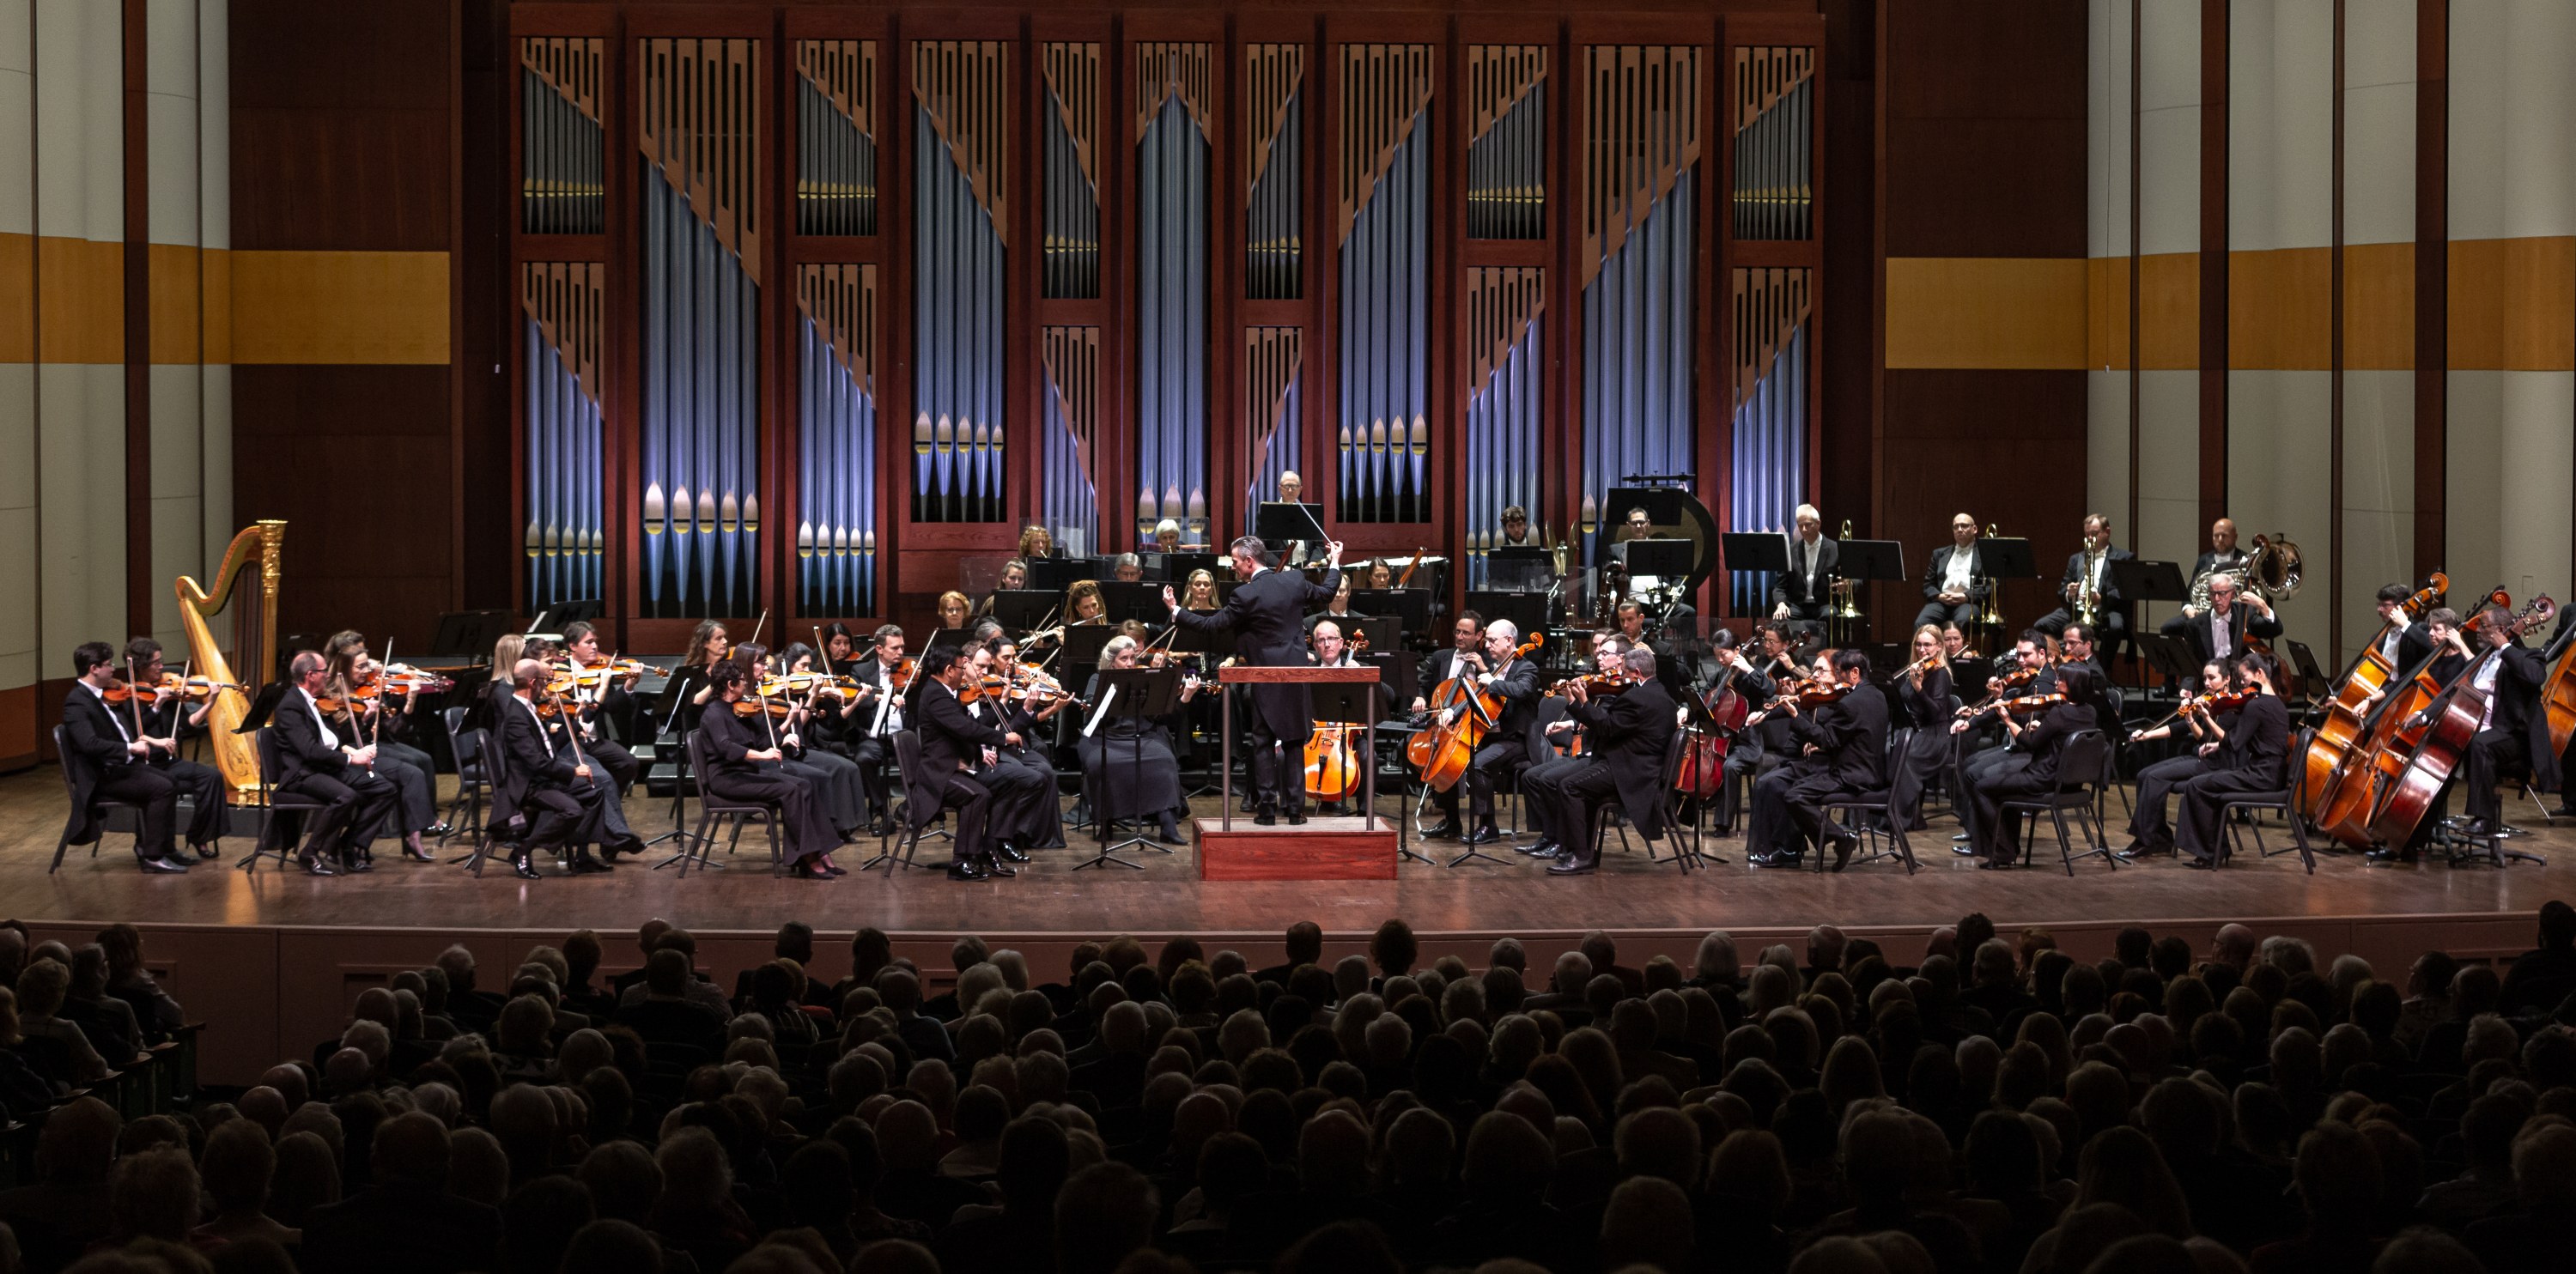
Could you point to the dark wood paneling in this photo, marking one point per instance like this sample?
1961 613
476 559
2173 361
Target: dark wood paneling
1848 317
340 134
138 318
355 460
487 548
1985 129
2432 279
2006 447
2213 260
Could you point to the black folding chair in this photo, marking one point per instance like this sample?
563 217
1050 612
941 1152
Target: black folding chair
99 806
1882 802
473 785
912 824
712 806
1683 855
2079 778
286 810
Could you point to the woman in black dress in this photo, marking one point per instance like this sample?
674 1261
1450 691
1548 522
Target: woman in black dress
1127 763
1924 702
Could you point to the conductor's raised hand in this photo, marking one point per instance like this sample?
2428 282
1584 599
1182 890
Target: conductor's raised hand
1169 600
1333 557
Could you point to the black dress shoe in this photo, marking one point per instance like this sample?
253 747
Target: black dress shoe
1543 849
526 869
1991 865
1297 817
2198 863
353 863
1265 818
1485 835
1441 831
1011 853
1781 859
162 866
585 865
1573 867
968 870
208 853
993 867
1966 851
314 866
1171 836
2389 857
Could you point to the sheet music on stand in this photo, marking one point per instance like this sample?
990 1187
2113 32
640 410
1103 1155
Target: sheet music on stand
1519 569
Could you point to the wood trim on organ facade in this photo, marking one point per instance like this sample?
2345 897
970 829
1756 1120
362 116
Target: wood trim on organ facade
1266 88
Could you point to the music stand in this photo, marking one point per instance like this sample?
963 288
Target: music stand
1175 568
945 637
1082 646
1352 703
1282 522
1411 607
1056 574
1134 600
1527 611
1747 552
2147 580
2173 656
1520 568
1127 694
1018 610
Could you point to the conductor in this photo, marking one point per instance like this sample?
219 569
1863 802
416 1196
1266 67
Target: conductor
1266 614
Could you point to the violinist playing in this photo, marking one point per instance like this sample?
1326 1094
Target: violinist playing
2254 762
1630 735
365 714
174 714
1765 747
1925 699
545 778
741 763
2029 763
318 762
1014 705
872 716
1128 766
1842 748
957 770
2211 718
602 694
118 753
692 686
1499 674
835 780
2020 676
1559 748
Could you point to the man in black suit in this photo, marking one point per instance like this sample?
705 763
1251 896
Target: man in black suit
114 762
2088 572
2222 631
2255 762
1850 736
1266 613
1954 581
1799 593
2514 728
165 723
1629 736
2402 642
542 778
1514 681
2223 553
873 718
959 757
321 765
407 1222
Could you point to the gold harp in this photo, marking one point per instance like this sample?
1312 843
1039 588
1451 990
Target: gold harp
246 586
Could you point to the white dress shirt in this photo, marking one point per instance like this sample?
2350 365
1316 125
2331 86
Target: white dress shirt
121 731
329 740
1963 564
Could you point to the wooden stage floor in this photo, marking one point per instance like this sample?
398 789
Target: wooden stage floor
2485 906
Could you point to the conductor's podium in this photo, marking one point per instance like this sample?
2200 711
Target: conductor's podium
1357 848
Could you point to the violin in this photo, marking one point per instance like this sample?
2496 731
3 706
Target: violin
769 698
171 686
1597 684
2002 686
397 680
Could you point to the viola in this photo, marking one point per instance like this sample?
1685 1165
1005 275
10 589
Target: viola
1461 713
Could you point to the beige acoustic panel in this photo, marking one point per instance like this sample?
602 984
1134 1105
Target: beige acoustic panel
2106 449
2379 121
2279 436
2538 451
2168 466
2106 129
81 485
2169 129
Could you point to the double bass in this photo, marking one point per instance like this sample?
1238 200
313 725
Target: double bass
2394 731
2449 728
2343 724
1460 715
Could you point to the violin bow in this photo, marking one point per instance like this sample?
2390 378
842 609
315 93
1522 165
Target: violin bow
134 700
756 627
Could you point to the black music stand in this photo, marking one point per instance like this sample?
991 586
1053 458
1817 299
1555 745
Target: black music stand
1134 600
1527 611
1519 568
2171 655
1411 607
1999 560
1056 574
2146 580
1018 610
1867 562
943 637
1175 568
1082 646
1353 704
1280 522
1747 552
1127 694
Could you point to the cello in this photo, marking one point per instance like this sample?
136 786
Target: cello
2448 729
1332 761
2394 731
2558 699
1460 715
2343 723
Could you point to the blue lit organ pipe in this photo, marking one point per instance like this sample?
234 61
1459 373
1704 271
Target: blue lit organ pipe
1385 275
1273 244
1505 336
1770 461
958 244
1272 412
701 436
837 518
1506 153
560 139
1069 498
836 149
1069 265
1640 206
1172 205
562 434
1774 126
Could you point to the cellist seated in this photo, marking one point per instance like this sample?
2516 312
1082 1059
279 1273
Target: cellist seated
1332 650
1629 736
1506 689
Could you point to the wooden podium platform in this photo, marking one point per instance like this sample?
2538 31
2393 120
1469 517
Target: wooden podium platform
1342 848
1323 849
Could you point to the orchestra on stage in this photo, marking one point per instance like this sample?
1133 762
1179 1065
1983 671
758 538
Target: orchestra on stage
1061 700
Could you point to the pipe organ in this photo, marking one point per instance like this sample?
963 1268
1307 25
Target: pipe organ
1555 307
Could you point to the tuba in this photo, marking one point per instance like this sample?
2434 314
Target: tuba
2270 572
245 584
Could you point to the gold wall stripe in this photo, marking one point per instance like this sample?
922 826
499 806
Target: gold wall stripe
2379 306
339 307
17 298
80 300
2513 304
2280 310
1986 312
